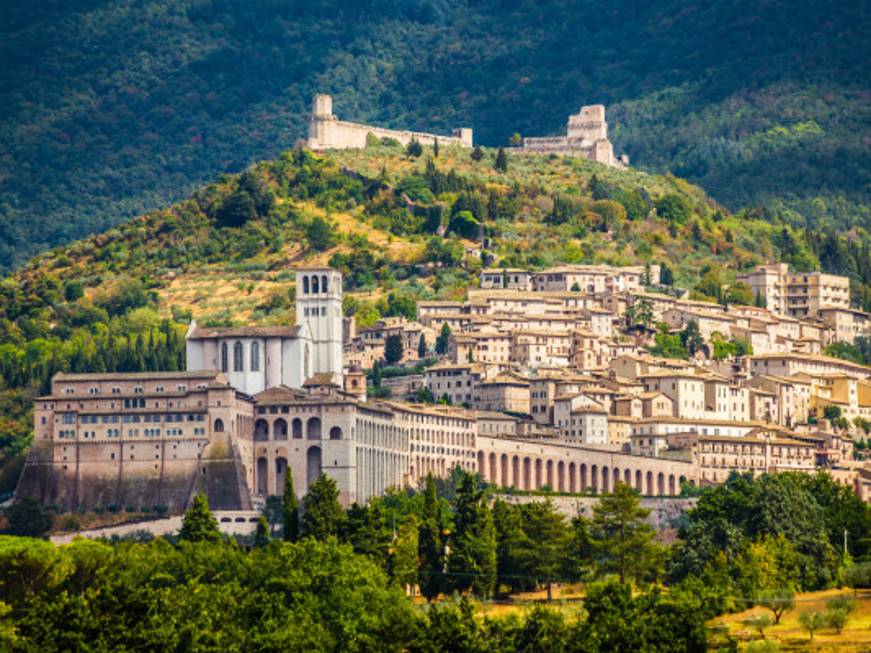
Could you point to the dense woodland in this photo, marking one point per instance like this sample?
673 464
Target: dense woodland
397 222
310 577
111 108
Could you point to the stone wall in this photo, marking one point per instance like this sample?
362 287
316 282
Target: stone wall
665 512
326 131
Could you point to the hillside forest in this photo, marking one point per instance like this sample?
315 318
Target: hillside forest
109 108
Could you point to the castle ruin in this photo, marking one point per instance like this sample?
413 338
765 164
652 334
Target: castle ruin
327 132
586 135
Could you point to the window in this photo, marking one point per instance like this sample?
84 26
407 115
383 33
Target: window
238 357
225 366
305 285
255 356
324 283
315 284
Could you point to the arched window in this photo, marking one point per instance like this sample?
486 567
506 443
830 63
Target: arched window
238 357
261 430
335 433
279 429
305 285
324 283
315 284
225 365
297 427
313 428
219 425
255 356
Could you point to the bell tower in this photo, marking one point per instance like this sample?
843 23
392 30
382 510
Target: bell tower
319 306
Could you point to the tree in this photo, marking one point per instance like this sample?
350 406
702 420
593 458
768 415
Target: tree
739 293
404 551
464 225
501 163
320 235
858 576
838 610
290 509
621 539
421 347
516 140
430 544
510 541
376 374
27 518
812 621
414 149
832 412
674 208
435 149
666 275
691 337
236 209
758 623
472 561
393 349
322 512
546 542
199 525
477 153
777 600
261 536
443 340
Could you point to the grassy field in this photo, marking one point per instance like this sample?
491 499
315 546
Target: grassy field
789 635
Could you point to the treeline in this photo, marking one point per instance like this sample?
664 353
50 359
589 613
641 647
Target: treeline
317 577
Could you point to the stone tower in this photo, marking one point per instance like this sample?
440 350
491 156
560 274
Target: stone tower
319 307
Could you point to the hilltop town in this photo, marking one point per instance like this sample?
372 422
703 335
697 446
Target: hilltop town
568 379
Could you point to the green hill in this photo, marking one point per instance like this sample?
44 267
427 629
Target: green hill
111 108
401 228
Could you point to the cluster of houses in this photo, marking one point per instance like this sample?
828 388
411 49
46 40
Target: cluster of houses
540 382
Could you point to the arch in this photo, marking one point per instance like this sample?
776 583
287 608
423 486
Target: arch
262 476
296 428
573 482
261 430
680 482
481 469
594 478
660 484
561 476
219 425
549 474
315 290
538 479
491 469
639 481
225 357
615 478
324 285
313 428
305 285
650 491
280 473
606 486
312 465
527 474
503 471
279 429
627 477
238 357
583 477
255 356
671 489
335 433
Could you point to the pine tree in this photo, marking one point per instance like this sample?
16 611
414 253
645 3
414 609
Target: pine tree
430 547
199 525
323 514
622 540
501 161
261 537
290 509
472 561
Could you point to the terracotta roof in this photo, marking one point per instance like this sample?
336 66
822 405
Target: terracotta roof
200 333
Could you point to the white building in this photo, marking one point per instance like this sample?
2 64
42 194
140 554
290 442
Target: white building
257 358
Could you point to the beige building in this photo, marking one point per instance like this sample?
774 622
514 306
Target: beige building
586 135
148 440
798 294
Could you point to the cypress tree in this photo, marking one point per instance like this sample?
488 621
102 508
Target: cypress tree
323 514
290 509
501 161
472 562
430 548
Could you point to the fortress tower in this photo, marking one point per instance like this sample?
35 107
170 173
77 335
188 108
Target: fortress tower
319 308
